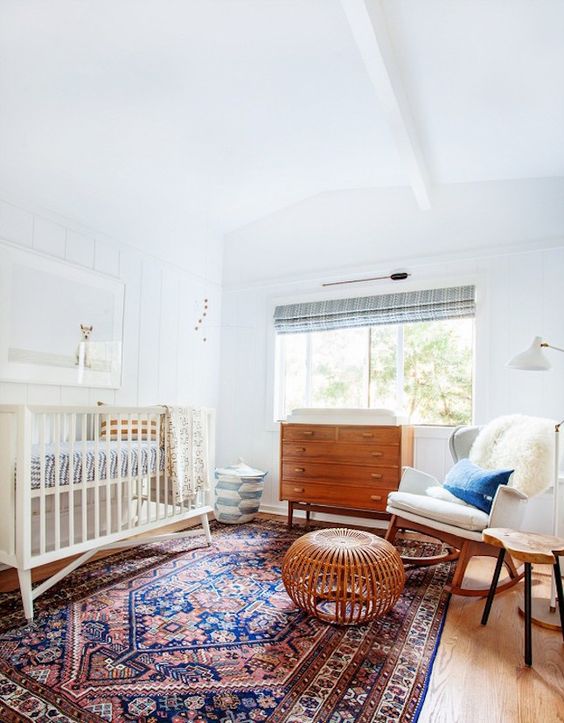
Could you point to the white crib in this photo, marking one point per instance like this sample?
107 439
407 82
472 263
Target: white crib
75 480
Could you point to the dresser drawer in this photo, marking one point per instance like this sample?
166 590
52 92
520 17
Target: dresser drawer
353 497
378 435
342 475
305 432
341 452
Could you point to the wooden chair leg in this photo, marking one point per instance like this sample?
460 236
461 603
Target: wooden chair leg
458 548
462 564
392 530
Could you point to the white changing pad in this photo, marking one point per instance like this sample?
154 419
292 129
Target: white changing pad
382 417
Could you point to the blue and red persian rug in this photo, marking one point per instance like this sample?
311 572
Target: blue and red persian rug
179 632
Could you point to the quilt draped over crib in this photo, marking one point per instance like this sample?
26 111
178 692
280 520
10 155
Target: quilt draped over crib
187 450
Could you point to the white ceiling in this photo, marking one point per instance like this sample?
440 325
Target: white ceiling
485 80
364 230
161 121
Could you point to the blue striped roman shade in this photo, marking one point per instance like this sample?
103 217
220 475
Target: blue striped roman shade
454 302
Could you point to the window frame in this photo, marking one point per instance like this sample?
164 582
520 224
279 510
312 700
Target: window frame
479 355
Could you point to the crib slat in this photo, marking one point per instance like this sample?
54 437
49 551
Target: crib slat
108 477
129 470
57 493
118 475
96 419
139 471
42 485
72 437
84 477
148 434
165 472
158 469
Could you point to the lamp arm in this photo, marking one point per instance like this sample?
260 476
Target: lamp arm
546 345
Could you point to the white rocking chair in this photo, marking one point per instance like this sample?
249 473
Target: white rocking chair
458 526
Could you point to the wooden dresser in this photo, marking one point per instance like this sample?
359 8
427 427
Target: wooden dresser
342 469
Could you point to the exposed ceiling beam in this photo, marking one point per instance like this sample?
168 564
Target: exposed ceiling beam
368 24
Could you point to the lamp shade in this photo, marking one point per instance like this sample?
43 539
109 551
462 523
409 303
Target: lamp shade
532 359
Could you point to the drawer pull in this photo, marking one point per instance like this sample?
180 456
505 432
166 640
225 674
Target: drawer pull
307 433
376 475
367 434
376 498
299 469
377 454
298 489
300 449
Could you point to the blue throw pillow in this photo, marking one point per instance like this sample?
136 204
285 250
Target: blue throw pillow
475 485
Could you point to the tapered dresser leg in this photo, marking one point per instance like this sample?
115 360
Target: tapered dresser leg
290 514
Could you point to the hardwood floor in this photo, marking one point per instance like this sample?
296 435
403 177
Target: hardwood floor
479 675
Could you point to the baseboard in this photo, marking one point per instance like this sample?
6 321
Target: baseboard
282 510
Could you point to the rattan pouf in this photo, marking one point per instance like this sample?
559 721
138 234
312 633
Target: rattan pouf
343 576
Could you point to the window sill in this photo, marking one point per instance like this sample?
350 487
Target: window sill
421 430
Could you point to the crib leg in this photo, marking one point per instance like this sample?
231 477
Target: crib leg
206 525
24 577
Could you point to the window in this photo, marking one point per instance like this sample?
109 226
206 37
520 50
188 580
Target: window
422 368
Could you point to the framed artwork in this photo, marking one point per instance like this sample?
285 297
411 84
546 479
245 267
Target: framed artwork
59 324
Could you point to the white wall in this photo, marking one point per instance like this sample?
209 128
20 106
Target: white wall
518 295
164 360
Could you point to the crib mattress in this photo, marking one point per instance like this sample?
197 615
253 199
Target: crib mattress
141 460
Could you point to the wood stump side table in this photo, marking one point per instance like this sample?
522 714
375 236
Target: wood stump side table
343 576
529 548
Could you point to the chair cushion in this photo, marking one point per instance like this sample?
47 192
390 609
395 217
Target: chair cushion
449 513
475 485
439 493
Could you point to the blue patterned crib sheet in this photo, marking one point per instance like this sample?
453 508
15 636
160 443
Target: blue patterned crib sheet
141 460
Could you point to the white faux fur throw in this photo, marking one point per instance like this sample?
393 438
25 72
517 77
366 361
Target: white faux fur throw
525 444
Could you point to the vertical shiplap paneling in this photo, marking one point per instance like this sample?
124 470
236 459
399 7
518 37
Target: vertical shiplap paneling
198 349
75 396
130 269
106 257
525 297
492 340
49 237
553 332
187 340
13 393
210 350
168 344
149 332
43 394
105 396
80 249
189 372
16 224
519 295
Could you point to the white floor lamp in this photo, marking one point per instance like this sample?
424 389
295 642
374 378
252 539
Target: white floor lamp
534 359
